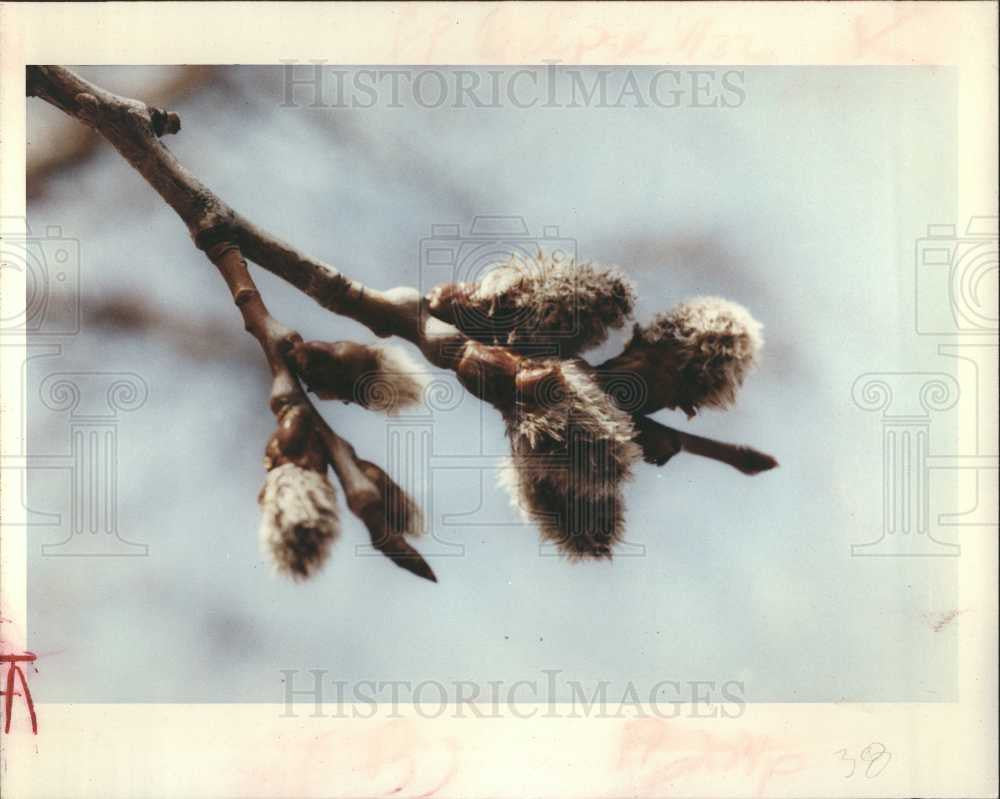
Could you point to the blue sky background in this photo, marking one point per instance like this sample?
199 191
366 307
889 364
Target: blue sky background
803 202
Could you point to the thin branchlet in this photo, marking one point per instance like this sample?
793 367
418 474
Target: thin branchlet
299 521
696 355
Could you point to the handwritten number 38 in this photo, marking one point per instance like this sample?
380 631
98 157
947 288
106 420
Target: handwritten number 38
875 755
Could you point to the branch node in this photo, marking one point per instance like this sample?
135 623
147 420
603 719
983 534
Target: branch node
285 392
244 295
163 122
287 340
212 236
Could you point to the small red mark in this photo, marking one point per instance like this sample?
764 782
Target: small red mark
9 693
938 621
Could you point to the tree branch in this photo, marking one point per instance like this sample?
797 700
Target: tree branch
134 128
660 443
275 339
366 498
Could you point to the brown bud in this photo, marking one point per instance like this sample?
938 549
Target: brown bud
390 515
490 373
296 440
539 384
446 300
402 514
331 369
378 377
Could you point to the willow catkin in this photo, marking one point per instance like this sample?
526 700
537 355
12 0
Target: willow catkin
572 449
714 344
379 377
396 382
299 519
539 301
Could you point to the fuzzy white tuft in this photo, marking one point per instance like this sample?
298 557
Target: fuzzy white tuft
719 342
539 299
571 452
397 382
299 520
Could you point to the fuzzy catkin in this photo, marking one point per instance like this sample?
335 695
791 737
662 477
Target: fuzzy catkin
379 377
571 451
718 343
581 525
540 300
397 381
299 519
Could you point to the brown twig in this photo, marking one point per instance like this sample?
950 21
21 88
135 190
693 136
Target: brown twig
660 443
129 126
365 498
274 338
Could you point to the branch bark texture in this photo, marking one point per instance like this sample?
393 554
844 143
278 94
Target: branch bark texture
489 371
